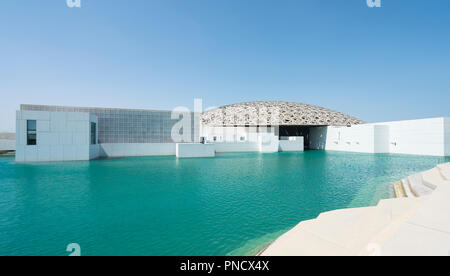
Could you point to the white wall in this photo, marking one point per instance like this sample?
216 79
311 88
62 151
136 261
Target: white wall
226 134
353 139
61 136
234 134
268 142
291 144
418 137
421 137
381 138
123 150
237 147
190 150
242 139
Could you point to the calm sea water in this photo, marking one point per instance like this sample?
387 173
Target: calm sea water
230 205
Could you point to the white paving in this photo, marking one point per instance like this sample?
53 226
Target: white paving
405 226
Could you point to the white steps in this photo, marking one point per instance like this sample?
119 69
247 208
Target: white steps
427 231
403 226
423 184
344 232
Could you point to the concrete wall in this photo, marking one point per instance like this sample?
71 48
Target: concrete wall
126 126
354 139
61 136
268 142
381 138
291 144
242 139
360 138
123 150
190 150
237 147
421 137
233 134
418 137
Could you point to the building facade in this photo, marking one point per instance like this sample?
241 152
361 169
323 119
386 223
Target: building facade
61 133
58 133
44 136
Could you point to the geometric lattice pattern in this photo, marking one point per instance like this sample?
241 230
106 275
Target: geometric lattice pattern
275 113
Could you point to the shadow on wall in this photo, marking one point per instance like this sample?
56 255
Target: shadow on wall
318 138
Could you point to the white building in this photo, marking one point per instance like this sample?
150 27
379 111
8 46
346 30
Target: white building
324 129
418 137
57 133
56 136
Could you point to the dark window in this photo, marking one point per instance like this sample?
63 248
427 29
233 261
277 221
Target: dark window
31 132
93 133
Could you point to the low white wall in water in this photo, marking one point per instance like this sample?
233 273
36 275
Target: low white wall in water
190 150
268 142
422 137
291 144
123 150
237 147
361 138
419 137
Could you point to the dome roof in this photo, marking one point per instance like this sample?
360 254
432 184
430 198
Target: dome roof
275 113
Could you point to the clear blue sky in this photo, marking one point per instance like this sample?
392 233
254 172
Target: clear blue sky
389 63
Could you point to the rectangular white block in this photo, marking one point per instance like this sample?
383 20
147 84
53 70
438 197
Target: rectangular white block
237 147
150 149
292 144
268 143
195 150
60 136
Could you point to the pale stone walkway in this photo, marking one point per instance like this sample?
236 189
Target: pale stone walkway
415 225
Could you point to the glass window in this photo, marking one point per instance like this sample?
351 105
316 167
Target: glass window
93 133
31 132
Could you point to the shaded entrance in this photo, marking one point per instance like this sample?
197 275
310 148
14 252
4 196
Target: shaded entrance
297 131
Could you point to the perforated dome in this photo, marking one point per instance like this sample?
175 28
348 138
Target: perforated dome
276 113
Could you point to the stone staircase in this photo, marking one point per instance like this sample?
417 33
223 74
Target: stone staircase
378 230
424 183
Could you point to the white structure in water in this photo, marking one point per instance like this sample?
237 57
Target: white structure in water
58 133
56 136
419 137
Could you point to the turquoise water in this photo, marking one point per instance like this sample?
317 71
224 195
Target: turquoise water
230 205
